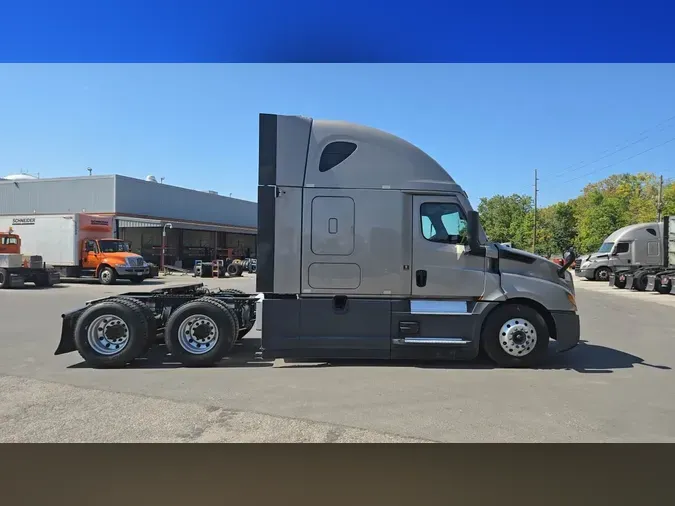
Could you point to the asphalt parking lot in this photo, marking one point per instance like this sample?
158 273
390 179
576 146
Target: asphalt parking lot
617 386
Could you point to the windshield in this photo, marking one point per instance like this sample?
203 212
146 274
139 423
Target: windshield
606 247
114 246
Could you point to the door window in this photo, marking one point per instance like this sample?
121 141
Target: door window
443 222
90 246
622 247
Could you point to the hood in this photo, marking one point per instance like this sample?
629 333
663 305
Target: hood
123 254
516 254
595 256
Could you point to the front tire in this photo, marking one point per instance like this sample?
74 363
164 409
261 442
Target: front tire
200 333
107 276
602 274
515 335
4 278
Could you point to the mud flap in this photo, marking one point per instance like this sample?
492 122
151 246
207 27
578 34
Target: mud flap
630 278
651 283
67 343
612 277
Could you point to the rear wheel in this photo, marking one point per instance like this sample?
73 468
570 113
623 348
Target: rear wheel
107 276
663 287
602 274
243 329
234 269
620 281
42 280
112 333
200 333
515 335
4 278
640 282
150 320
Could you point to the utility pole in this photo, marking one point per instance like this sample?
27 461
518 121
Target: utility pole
536 190
659 202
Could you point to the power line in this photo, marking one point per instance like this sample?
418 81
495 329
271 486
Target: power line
567 170
620 161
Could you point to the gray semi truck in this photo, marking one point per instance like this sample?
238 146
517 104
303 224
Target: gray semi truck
367 249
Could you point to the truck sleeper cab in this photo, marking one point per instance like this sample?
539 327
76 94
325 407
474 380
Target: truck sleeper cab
367 249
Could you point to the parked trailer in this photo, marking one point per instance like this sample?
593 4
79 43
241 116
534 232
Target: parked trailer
367 249
79 245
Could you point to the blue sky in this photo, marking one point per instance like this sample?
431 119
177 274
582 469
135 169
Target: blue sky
490 126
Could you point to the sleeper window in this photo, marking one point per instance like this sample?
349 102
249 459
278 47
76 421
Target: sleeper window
442 222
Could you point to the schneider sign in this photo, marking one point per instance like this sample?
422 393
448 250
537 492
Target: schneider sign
23 221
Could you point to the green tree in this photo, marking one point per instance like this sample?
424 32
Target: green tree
503 218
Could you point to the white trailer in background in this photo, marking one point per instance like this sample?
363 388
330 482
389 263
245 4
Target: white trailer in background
78 245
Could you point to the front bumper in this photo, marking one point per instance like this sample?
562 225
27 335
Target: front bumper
132 271
568 329
588 272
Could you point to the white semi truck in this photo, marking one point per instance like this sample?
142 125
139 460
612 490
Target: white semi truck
78 245
367 249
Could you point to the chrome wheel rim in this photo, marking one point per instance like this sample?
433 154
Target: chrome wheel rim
518 337
198 334
603 274
108 334
105 275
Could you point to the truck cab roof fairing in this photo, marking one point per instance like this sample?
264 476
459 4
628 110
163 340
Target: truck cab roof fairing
291 149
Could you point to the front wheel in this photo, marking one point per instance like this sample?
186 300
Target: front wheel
107 276
515 335
602 274
4 278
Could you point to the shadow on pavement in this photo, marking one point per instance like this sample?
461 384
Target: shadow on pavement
585 358
93 281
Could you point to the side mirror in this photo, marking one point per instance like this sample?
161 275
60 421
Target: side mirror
570 257
473 233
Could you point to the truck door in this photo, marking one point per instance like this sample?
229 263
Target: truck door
440 266
622 255
90 254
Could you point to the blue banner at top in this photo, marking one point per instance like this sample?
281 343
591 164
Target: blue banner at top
345 31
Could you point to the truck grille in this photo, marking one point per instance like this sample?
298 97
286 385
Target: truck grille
135 261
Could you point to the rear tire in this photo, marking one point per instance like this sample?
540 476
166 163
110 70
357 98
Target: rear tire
200 333
4 278
663 289
640 284
620 283
515 335
150 320
107 276
112 333
234 270
602 274
243 330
